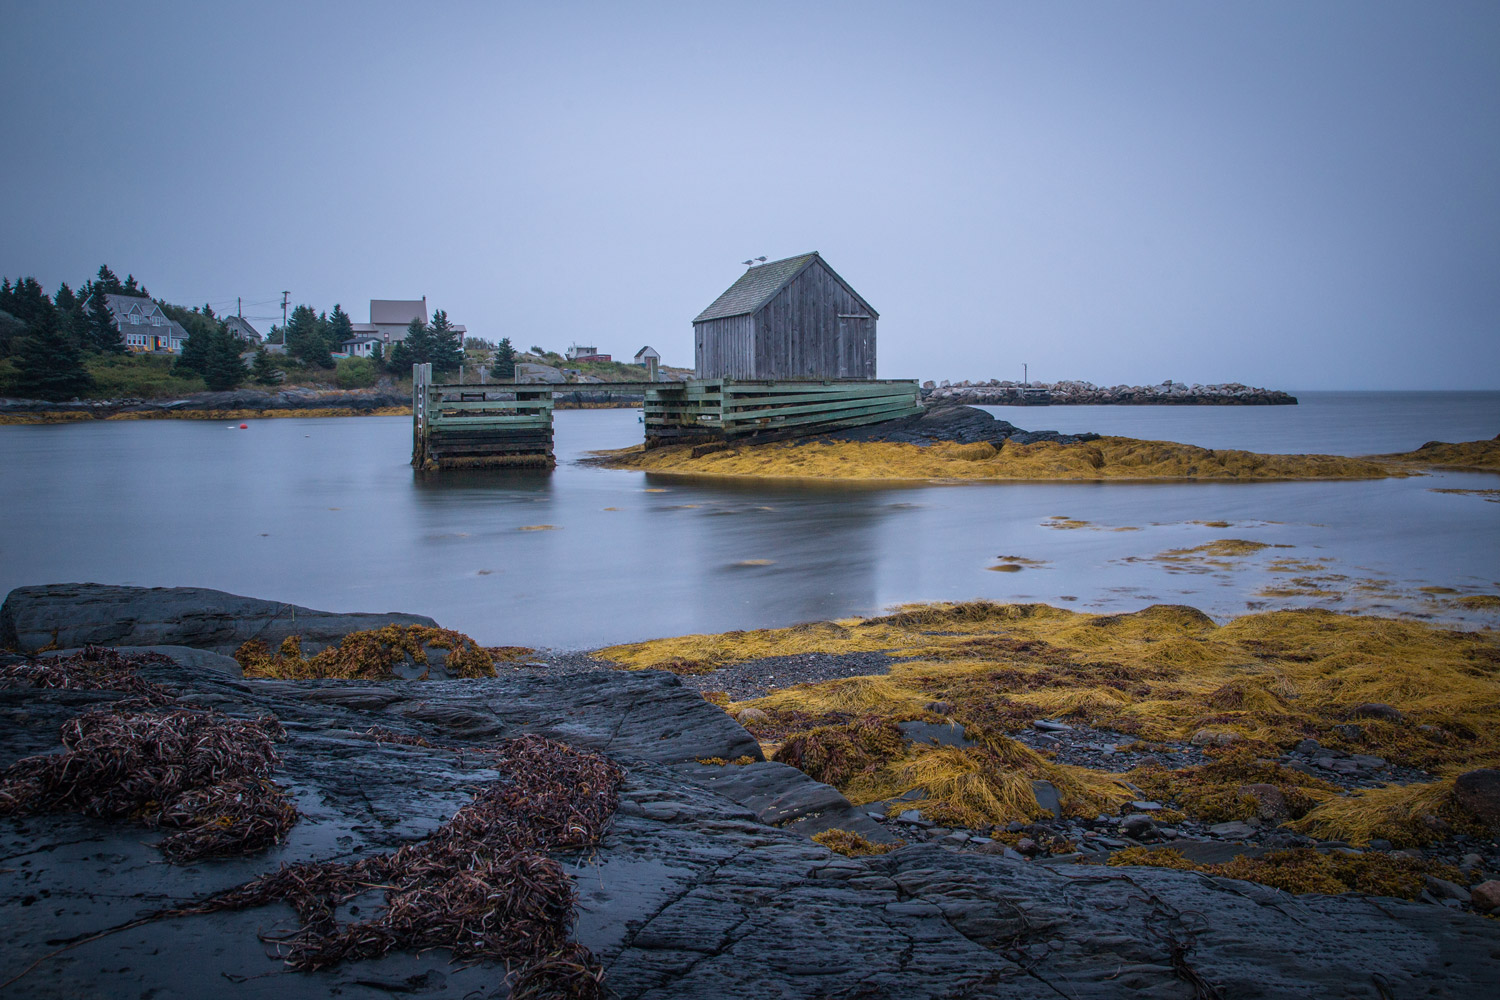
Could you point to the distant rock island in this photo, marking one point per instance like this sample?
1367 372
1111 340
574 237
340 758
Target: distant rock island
1169 393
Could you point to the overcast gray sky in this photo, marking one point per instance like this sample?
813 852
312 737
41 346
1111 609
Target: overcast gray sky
1293 194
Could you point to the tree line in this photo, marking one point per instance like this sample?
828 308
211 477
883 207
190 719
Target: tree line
45 341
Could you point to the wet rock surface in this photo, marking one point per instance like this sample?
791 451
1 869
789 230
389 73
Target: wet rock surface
64 615
705 886
951 421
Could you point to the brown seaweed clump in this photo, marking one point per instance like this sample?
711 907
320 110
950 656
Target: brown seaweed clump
835 755
481 885
373 655
198 772
1302 870
94 668
850 844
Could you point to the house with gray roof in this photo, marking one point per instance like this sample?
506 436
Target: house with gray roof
787 319
242 329
143 326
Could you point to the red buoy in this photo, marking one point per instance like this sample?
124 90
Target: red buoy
244 427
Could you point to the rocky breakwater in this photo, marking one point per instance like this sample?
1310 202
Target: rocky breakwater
1168 393
703 882
234 404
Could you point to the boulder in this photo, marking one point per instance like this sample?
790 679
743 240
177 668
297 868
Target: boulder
1377 710
1485 897
1479 793
1213 738
1270 804
82 614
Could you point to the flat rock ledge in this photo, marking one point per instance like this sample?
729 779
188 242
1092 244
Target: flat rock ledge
706 884
67 615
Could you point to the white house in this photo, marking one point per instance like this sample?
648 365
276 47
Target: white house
361 345
648 357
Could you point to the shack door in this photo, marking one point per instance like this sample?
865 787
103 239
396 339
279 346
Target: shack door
854 333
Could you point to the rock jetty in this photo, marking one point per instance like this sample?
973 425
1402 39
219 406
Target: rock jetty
1168 393
705 884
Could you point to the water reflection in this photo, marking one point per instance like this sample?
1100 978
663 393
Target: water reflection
327 513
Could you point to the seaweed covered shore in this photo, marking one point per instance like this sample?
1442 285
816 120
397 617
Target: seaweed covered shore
963 444
966 800
1056 733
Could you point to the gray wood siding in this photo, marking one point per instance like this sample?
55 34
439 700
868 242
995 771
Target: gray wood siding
814 328
800 333
723 348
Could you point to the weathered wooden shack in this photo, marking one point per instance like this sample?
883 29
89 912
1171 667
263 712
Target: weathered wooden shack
788 319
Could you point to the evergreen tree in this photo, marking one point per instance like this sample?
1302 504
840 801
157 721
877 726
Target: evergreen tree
27 301
70 317
106 281
131 288
48 364
305 339
340 328
99 332
264 370
194 357
415 349
503 364
446 353
222 367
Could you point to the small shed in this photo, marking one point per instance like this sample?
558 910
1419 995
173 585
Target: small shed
650 359
788 319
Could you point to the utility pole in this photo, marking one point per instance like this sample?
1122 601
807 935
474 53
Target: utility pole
1025 375
283 317
239 307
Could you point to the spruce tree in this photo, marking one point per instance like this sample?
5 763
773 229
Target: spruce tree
106 281
194 357
340 328
48 364
263 370
304 337
99 331
503 364
223 369
446 353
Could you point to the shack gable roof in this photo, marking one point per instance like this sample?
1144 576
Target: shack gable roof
759 285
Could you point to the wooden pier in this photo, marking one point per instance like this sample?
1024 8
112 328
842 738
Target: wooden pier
509 425
721 409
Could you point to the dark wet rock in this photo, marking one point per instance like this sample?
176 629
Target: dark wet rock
692 893
950 422
757 678
81 614
1479 792
1485 897
947 734
1270 804
1232 830
1377 710
1138 825
1047 797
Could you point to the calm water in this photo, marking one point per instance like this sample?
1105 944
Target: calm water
326 513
